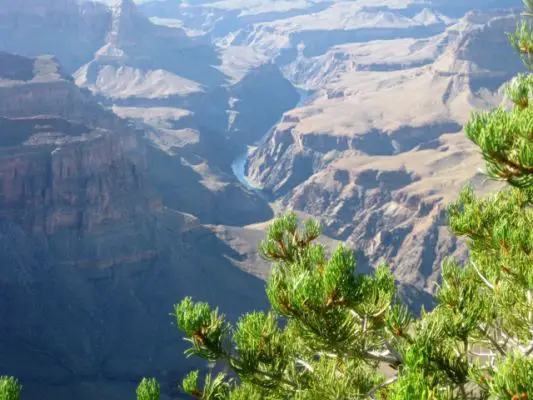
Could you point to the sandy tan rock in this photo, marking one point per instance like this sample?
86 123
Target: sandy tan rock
379 152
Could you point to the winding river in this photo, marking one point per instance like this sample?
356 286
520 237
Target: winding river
238 166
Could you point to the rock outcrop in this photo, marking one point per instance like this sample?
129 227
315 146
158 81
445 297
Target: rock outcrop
377 166
62 153
259 99
91 261
143 60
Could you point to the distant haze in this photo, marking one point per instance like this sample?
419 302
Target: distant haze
136 1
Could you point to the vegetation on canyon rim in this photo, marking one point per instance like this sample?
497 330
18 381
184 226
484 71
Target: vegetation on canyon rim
332 333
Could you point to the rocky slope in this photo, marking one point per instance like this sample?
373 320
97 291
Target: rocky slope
141 69
198 116
375 151
91 260
377 165
103 221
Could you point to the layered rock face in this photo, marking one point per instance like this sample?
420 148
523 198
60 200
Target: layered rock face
263 93
63 157
379 152
138 59
91 261
199 116
31 87
66 181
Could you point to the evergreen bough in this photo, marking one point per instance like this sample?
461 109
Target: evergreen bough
335 334
10 389
148 389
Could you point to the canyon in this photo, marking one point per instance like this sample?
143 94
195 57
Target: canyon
145 147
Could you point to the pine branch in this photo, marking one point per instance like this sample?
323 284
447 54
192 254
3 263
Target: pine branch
388 382
304 364
515 169
485 280
529 298
384 357
509 339
528 350
492 340
236 362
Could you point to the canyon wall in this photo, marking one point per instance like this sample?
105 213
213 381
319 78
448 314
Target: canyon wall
91 260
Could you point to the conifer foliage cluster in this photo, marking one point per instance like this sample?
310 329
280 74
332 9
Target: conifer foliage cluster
334 334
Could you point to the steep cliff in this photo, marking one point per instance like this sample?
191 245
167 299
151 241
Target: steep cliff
259 99
378 166
148 61
91 261
198 118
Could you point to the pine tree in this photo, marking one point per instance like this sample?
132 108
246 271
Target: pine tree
335 334
10 389
148 389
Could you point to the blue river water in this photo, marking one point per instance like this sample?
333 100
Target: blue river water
238 166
